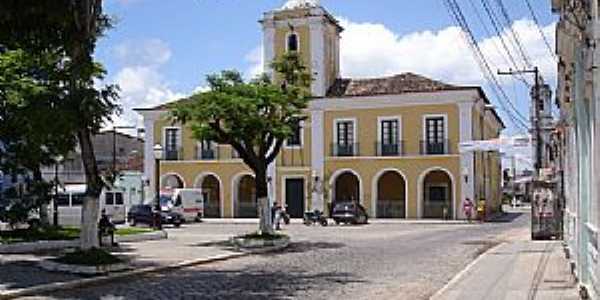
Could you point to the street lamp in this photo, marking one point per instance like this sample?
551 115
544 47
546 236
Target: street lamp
57 160
158 156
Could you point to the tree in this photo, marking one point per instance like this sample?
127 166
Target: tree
253 117
70 29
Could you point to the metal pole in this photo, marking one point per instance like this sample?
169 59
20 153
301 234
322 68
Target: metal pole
514 183
54 202
157 193
538 145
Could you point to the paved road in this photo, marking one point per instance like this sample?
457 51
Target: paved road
376 261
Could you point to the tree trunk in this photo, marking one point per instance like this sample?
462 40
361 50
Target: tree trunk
42 205
264 209
90 210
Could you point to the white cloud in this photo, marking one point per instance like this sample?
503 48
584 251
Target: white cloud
152 52
255 59
140 80
371 50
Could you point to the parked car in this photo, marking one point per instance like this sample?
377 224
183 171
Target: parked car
144 214
349 212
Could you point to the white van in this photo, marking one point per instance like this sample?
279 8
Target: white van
188 202
70 202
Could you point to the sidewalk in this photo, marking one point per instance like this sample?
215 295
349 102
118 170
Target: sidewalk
183 248
517 269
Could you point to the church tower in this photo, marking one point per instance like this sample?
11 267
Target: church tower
306 27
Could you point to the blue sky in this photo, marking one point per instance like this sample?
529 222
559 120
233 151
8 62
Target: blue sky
160 50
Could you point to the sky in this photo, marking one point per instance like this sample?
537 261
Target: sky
159 51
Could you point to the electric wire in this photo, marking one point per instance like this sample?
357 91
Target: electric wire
456 12
539 28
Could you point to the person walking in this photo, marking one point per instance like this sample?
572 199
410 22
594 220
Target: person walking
276 215
468 208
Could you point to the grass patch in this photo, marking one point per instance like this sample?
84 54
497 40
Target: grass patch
38 234
92 257
263 236
132 231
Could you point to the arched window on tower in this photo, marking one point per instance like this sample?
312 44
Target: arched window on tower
292 42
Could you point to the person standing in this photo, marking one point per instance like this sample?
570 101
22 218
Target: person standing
468 208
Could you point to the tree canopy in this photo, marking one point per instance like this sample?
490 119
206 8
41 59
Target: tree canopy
254 117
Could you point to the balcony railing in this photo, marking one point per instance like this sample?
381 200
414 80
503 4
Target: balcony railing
207 154
345 149
390 209
174 154
386 149
435 148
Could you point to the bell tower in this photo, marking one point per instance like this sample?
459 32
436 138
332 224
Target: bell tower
306 27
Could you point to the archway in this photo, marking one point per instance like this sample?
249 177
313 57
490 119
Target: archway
391 195
169 182
346 188
437 191
246 205
211 191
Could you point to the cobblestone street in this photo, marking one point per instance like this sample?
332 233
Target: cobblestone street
383 261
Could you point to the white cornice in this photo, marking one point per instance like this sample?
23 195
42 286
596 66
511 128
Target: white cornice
385 101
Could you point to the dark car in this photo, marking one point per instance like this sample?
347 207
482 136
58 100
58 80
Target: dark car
349 212
144 214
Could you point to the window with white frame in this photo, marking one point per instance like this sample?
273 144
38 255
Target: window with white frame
295 140
435 135
207 150
172 138
345 144
389 143
292 42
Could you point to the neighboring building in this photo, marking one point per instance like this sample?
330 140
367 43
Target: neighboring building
578 133
390 143
127 151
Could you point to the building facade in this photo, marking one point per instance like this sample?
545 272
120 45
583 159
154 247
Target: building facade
390 143
577 135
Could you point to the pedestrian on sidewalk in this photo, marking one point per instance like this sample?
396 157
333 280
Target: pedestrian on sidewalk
276 215
468 208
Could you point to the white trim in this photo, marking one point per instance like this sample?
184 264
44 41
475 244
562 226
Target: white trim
375 190
354 134
198 185
287 37
235 180
447 146
421 186
179 141
401 100
317 155
163 176
379 129
283 187
392 157
336 174
229 161
285 144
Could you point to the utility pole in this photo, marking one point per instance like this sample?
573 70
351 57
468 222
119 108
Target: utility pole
536 110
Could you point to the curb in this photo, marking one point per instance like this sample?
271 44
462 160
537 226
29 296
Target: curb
51 287
462 273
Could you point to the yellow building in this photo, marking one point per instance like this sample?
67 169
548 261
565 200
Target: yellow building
390 143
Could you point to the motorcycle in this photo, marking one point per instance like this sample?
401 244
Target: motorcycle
314 217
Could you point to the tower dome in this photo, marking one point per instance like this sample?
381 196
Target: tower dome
292 4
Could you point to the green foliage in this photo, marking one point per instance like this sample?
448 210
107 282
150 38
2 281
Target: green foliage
253 117
91 257
38 234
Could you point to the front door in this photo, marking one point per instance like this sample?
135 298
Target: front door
294 197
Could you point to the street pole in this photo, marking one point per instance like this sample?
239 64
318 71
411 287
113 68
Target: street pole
54 201
514 183
536 117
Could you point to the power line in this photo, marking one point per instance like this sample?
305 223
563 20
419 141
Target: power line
514 33
537 24
456 13
495 23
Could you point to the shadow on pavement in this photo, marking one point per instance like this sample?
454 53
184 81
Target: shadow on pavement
506 217
212 284
16 274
